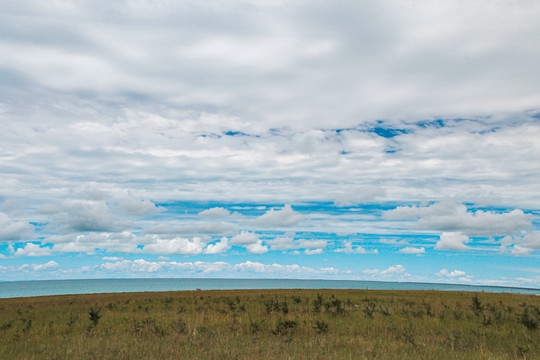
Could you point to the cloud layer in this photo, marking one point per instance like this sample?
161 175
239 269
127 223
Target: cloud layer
271 136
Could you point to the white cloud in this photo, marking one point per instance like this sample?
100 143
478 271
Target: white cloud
450 217
531 240
359 195
83 215
289 243
313 251
279 218
216 212
31 249
10 230
124 242
391 271
174 246
133 206
520 250
38 267
452 241
245 238
257 267
394 269
196 228
112 258
257 248
218 247
282 243
412 250
348 248
454 273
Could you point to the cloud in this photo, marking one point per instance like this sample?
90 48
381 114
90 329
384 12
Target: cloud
174 246
313 251
245 238
31 249
531 240
289 243
257 267
279 218
112 258
132 206
218 247
452 241
282 129
38 267
349 249
13 231
391 271
412 250
450 217
83 215
124 242
394 269
521 245
242 269
257 248
282 243
216 212
454 273
359 195
520 250
192 229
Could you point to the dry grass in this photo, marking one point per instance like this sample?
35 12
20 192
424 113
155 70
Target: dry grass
272 324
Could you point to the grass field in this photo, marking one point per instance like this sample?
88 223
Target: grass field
272 324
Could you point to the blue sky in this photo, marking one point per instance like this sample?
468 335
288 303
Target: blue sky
392 141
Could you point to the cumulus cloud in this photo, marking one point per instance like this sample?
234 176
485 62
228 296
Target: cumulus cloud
200 267
454 273
359 195
348 248
531 240
257 267
112 258
174 246
289 243
279 218
452 241
38 267
520 250
133 206
521 245
126 242
218 247
31 249
83 215
245 238
257 248
195 228
313 251
13 230
412 250
451 217
215 212
391 271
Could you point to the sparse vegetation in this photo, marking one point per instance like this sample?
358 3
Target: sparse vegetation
272 324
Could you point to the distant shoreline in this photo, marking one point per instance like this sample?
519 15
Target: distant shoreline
31 288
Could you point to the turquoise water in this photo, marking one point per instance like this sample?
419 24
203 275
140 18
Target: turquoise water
59 287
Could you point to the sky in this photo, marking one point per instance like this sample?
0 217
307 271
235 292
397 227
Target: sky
367 140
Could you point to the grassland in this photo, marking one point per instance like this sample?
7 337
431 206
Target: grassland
272 324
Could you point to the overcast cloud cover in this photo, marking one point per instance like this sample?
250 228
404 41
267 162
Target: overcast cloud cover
381 140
